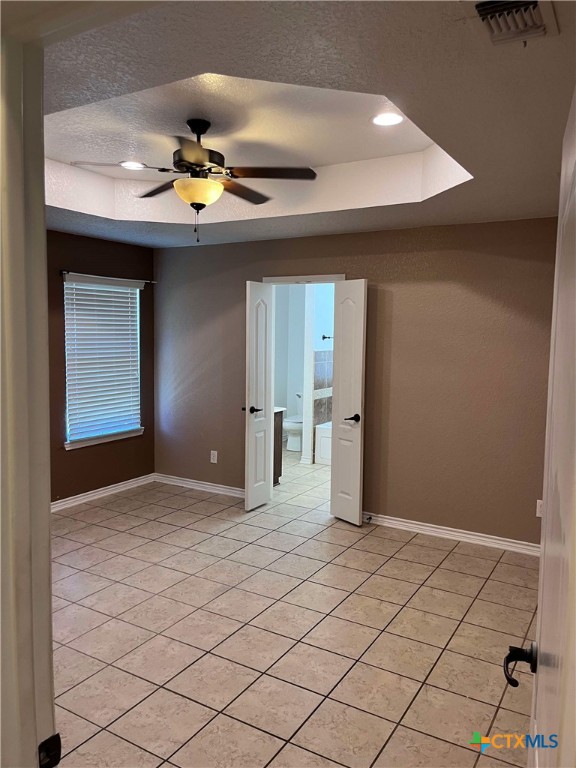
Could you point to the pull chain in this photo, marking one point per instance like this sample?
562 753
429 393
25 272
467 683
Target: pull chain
196 226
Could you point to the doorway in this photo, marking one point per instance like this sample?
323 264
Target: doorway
305 363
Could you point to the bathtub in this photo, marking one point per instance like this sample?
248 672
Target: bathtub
323 443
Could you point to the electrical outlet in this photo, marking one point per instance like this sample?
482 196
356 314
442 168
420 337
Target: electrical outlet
539 505
213 457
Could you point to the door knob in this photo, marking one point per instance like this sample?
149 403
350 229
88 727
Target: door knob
255 410
355 418
527 655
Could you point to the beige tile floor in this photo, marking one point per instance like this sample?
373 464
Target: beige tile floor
190 633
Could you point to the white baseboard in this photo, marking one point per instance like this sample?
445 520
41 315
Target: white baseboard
81 498
198 485
524 547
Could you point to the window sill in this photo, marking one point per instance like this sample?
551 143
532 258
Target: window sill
102 439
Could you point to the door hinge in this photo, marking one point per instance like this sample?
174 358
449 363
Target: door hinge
50 751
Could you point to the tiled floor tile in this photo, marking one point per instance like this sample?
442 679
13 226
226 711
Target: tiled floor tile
402 655
335 535
410 749
511 722
473 679
344 734
268 520
377 691
254 648
206 507
440 602
288 620
312 668
112 640
360 560
184 537
340 636
154 529
270 584
218 546
154 551
73 730
85 557
239 605
252 554
213 681
90 534
294 565
159 659
155 579
105 696
447 715
157 613
378 545
452 581
478 550
58 602
524 561
122 522
395 534
319 550
227 743
509 594
390 590
285 542
60 546
417 573
316 597
121 543
118 567
73 621
318 516
296 757
228 572
195 591
150 496
108 751
366 610
79 585
176 502
180 518
482 643
245 533
436 542
72 667
60 572
520 699
340 577
151 512
302 528
211 525
423 555
274 706
60 526
514 574
202 629
419 625
499 617
475 566
163 722
119 504
115 599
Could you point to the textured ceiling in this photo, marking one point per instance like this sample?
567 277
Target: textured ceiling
499 111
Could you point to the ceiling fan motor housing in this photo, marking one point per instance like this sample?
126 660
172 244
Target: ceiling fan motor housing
213 159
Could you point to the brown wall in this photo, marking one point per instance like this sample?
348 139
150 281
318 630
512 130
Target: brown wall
456 376
96 466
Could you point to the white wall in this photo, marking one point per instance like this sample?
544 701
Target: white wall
289 352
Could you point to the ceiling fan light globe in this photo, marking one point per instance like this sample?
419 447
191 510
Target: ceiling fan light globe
198 191
132 165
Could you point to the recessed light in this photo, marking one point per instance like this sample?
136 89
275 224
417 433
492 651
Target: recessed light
132 165
387 118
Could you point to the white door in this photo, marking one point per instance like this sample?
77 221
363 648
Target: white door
259 389
554 708
348 399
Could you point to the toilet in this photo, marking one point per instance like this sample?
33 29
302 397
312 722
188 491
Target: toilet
293 427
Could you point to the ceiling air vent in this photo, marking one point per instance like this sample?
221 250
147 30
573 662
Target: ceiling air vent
513 21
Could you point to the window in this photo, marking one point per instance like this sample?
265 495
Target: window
102 325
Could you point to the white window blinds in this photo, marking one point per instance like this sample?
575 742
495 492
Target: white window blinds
102 325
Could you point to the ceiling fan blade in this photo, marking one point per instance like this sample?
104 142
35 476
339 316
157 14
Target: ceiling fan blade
192 152
158 190
256 198
241 172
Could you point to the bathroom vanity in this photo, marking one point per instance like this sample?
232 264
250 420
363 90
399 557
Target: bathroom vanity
278 430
